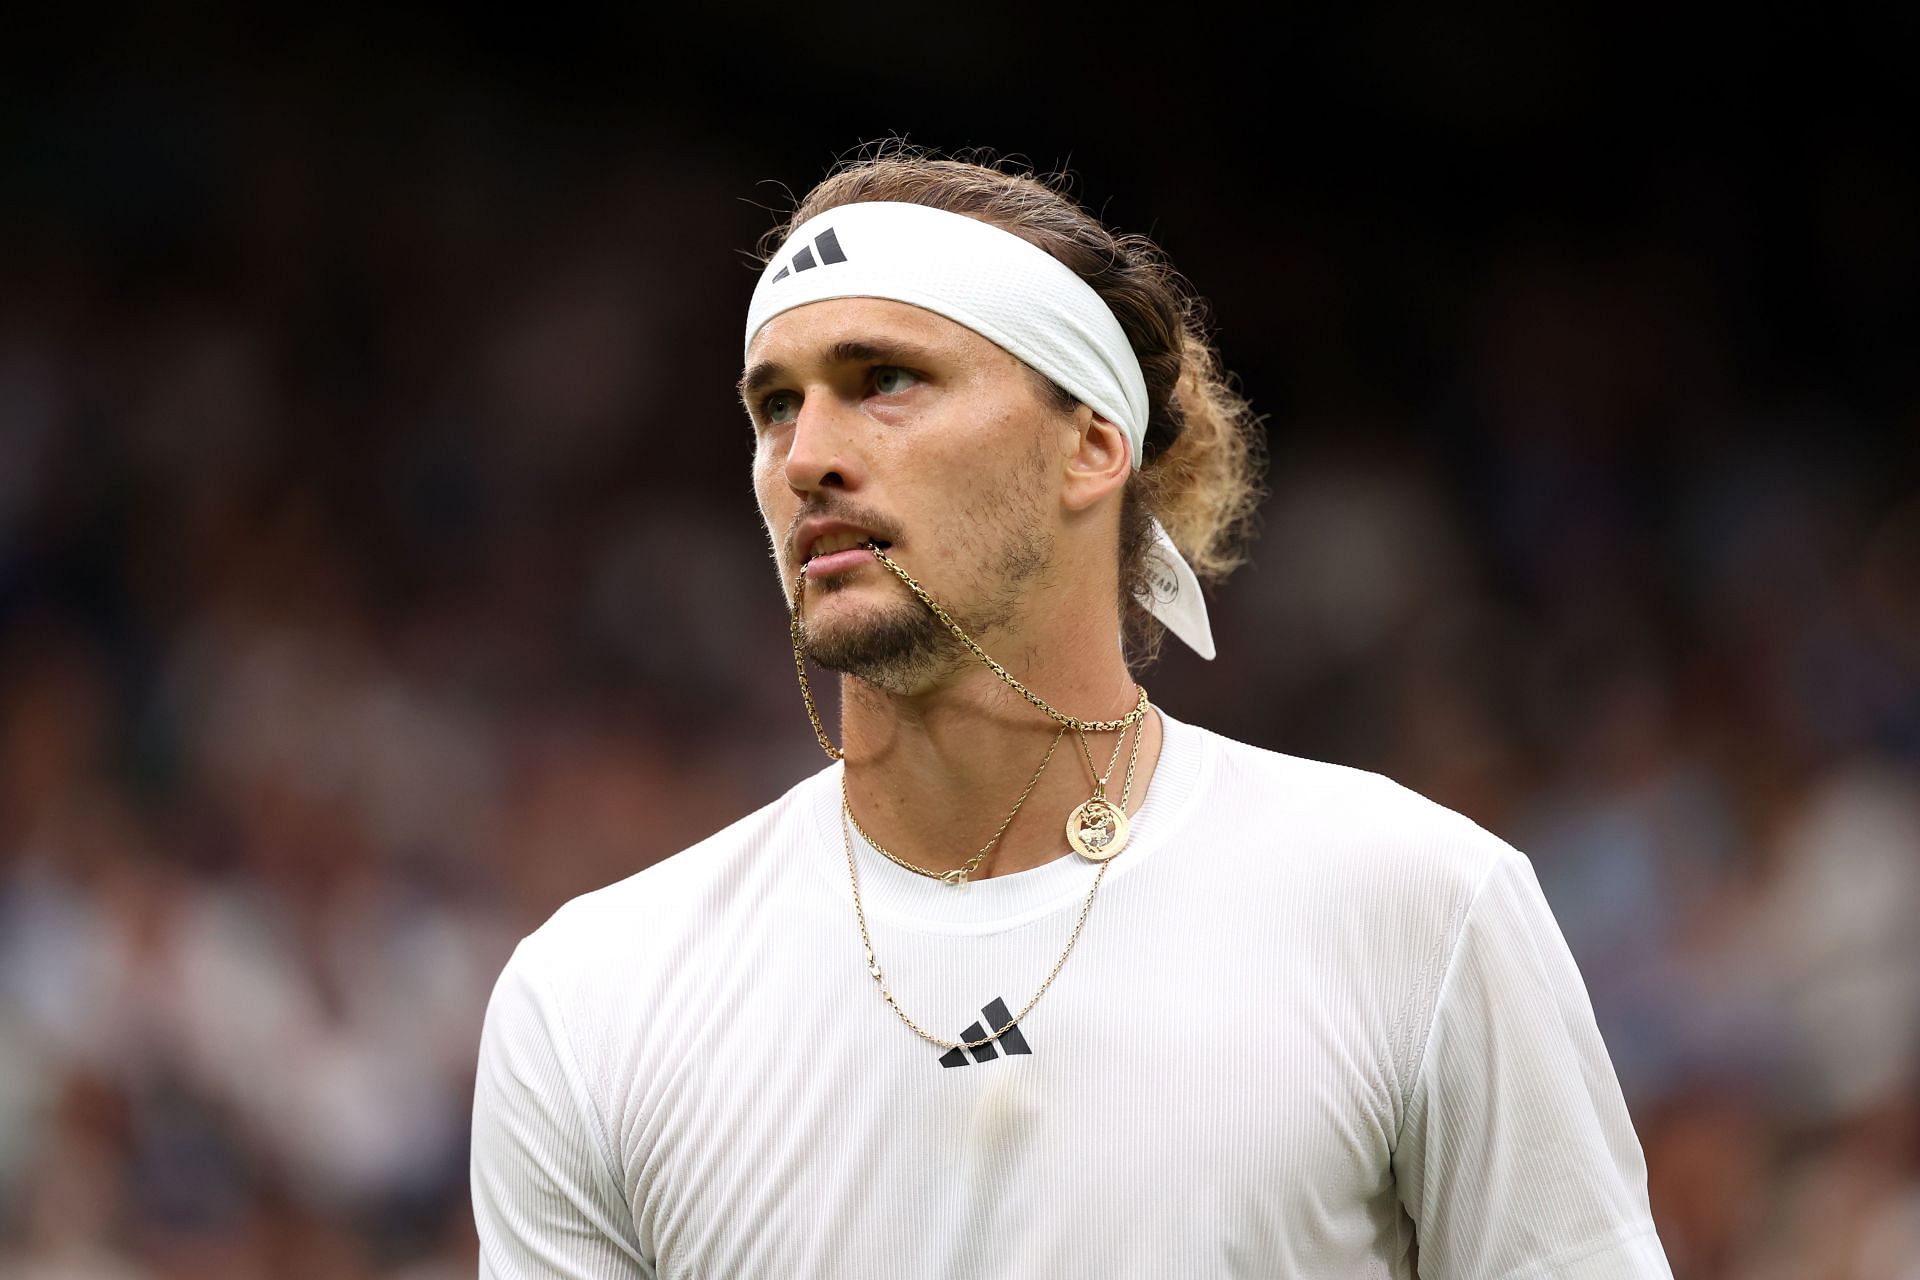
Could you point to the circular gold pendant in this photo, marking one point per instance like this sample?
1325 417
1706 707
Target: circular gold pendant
1097 829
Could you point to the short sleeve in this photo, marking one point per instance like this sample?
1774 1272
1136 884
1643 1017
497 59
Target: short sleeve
1516 1158
546 1201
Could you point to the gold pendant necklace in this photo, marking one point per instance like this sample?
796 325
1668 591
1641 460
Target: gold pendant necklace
1098 828
866 936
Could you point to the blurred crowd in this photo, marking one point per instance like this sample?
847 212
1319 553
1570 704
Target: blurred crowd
378 570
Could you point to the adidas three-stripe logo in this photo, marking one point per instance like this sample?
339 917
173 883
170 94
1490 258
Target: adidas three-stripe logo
994 1015
830 252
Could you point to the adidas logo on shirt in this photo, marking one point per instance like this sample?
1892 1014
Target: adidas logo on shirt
830 252
992 1016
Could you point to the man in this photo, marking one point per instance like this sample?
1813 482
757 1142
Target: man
1041 981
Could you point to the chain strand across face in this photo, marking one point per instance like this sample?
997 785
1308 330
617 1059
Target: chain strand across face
795 630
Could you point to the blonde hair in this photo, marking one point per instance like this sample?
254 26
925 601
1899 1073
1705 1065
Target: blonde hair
1201 465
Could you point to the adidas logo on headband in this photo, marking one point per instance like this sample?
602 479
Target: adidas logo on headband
830 252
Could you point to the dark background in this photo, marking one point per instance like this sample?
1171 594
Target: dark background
378 566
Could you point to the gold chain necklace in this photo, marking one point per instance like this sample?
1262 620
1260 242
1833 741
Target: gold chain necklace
1097 829
959 874
873 962
806 688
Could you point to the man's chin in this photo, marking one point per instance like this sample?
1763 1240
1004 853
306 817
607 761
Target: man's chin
897 649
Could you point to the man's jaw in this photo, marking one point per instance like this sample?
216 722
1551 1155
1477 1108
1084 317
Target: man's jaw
891 644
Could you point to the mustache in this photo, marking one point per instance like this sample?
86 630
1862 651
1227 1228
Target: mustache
878 527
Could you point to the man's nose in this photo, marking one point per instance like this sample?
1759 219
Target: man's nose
822 452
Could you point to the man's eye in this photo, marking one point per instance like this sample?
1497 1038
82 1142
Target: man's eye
887 379
781 406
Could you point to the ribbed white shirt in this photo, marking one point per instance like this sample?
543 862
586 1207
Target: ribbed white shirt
1315 1023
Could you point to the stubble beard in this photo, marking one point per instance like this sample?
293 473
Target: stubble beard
898 648
902 648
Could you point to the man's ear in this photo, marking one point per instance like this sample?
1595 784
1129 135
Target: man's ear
1097 459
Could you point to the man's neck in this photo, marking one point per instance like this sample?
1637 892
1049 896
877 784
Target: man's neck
931 775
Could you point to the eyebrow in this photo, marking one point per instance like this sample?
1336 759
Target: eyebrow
765 373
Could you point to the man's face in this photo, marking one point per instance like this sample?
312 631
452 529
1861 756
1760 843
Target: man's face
875 419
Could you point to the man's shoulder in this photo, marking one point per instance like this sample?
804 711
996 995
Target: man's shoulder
690 892
1365 823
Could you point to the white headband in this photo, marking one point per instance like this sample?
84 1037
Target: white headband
1017 296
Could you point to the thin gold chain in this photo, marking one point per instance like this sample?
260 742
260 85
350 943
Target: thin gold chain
1099 778
880 980
1133 758
959 874
873 961
806 687
800 669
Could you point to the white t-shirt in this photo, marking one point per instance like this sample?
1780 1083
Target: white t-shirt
1313 1019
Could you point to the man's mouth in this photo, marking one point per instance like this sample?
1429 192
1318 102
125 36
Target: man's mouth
844 540
840 551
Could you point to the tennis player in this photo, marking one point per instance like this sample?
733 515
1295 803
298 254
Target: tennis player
1035 979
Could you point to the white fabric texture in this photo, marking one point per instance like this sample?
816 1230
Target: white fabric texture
1315 1026
1017 296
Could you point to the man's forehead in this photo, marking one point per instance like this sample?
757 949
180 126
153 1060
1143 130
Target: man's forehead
810 331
